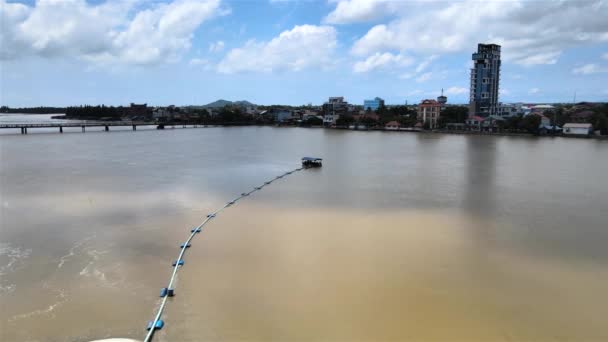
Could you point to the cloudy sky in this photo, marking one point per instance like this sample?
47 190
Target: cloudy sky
66 52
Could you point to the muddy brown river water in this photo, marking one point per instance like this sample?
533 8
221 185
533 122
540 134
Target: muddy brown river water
399 236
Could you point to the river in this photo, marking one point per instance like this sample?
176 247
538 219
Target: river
399 236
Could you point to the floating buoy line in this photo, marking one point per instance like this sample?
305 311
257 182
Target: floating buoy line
169 291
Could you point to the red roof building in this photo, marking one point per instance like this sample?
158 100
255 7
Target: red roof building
428 112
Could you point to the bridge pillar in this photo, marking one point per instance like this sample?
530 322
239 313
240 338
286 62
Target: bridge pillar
60 129
82 129
22 132
25 130
134 127
107 129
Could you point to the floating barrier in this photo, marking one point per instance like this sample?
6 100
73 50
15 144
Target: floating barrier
159 324
168 291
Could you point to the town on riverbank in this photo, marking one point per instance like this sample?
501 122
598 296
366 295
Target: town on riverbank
484 114
583 119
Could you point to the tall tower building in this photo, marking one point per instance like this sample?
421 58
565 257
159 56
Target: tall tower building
442 99
485 80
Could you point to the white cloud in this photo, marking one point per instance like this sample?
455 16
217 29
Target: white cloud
533 91
108 33
216 46
540 58
456 91
378 61
589 69
352 11
530 32
503 91
424 77
302 47
425 63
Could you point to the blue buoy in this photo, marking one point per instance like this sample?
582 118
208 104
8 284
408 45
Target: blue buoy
178 263
187 246
170 292
211 215
195 230
159 325
163 292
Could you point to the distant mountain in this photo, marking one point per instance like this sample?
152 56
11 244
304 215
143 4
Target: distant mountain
224 103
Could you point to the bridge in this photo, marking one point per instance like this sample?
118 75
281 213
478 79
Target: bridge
83 125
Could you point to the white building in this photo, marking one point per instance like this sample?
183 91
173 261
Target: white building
578 129
329 120
508 110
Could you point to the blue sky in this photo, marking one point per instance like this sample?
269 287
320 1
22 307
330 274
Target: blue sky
188 52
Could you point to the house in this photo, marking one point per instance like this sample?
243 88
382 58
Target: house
540 109
366 116
281 115
492 123
138 110
474 122
544 121
578 129
330 119
392 126
548 129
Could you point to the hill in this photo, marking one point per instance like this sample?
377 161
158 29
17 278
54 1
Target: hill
223 103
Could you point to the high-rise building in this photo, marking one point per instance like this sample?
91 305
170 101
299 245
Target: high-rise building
373 104
485 80
335 105
333 108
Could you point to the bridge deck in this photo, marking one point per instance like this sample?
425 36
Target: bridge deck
81 124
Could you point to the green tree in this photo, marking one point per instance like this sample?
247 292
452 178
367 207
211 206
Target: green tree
600 122
368 121
530 123
454 114
313 121
382 111
344 120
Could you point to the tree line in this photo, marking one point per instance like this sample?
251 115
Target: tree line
33 110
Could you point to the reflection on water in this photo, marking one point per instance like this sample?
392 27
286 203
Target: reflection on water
398 237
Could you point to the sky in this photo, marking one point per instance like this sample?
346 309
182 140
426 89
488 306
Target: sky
192 52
